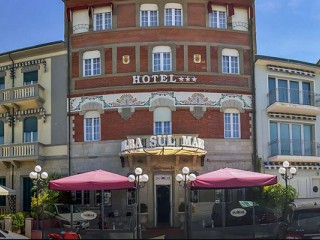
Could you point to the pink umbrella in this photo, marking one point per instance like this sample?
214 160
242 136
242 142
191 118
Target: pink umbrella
233 178
94 180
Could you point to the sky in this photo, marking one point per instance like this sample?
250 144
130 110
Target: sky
284 28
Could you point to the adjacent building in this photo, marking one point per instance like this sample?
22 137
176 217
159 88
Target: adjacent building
33 117
159 85
287 114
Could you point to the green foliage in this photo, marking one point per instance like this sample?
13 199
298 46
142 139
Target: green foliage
143 208
18 219
274 196
47 197
181 207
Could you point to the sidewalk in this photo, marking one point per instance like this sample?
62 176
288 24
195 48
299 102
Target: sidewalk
163 233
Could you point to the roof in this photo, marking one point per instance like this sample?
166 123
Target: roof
284 60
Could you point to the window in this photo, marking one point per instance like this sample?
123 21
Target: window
230 61
218 17
91 63
30 129
3 198
161 58
106 195
1 132
131 196
30 78
231 124
289 91
2 85
162 120
102 19
291 139
92 126
148 15
173 14
81 197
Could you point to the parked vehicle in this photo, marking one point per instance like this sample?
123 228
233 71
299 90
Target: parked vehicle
68 234
4 234
63 215
302 220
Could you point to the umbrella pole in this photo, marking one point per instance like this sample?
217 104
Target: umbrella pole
102 209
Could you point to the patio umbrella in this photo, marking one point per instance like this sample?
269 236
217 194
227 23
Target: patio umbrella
233 178
93 180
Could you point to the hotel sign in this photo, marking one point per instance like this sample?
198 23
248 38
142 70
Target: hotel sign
150 79
163 141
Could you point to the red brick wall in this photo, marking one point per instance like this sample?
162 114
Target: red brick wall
214 59
247 62
113 127
179 58
197 14
126 15
108 60
197 67
126 68
78 130
144 59
75 65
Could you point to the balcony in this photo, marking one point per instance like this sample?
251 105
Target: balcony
293 101
25 97
20 152
293 150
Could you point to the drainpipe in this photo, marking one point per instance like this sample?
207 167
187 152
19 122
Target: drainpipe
11 118
253 90
67 40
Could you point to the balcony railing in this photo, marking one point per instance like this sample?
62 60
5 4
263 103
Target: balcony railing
20 150
21 93
293 96
293 147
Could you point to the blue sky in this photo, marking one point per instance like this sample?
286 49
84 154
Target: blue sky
285 28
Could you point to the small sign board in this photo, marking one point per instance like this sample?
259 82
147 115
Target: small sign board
88 215
238 212
247 203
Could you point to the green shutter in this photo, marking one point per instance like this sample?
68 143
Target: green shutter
30 124
31 76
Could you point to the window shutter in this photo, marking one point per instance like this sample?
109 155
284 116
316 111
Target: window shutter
31 76
1 129
30 124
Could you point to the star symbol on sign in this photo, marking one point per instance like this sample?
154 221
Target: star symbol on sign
187 79
181 79
194 79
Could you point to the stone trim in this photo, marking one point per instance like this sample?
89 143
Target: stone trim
162 102
231 103
91 106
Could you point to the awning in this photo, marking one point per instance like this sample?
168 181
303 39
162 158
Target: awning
166 151
5 191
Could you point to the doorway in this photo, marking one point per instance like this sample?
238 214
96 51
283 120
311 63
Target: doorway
163 205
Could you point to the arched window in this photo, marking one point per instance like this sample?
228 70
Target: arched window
91 63
161 59
30 129
92 126
162 121
149 15
231 123
230 61
173 14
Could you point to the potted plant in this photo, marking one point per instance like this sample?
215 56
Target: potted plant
143 213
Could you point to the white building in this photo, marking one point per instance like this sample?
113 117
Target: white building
288 120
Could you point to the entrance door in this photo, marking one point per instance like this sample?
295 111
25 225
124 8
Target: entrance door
163 205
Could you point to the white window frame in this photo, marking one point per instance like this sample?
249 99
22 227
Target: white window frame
175 19
149 9
162 116
221 14
92 59
230 61
30 136
160 55
90 118
235 127
106 18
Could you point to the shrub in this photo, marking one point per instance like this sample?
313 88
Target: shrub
143 208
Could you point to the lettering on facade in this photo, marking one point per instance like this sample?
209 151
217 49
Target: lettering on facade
162 141
22 64
149 79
